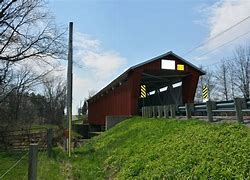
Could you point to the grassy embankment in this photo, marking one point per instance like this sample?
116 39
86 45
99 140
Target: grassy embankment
149 148
156 149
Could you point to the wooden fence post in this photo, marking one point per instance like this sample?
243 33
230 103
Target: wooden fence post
238 109
49 141
32 171
172 109
188 110
210 111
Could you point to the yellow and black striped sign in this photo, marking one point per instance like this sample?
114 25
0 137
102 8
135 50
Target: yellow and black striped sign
205 92
143 91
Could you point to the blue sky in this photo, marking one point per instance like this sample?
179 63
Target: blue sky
112 35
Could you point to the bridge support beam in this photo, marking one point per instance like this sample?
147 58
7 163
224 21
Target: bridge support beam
172 109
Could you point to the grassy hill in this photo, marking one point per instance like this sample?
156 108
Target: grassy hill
141 148
157 148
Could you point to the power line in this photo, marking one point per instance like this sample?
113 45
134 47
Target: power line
224 44
217 35
14 165
219 62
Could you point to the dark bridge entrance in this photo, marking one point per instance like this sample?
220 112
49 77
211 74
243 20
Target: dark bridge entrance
164 87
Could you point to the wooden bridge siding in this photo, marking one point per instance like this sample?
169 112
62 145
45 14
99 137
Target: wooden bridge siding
115 102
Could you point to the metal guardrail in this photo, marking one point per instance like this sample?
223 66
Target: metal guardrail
220 106
237 107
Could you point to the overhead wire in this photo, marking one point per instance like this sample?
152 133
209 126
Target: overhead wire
216 36
219 62
224 44
14 165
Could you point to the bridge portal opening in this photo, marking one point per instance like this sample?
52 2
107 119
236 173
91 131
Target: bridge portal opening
161 87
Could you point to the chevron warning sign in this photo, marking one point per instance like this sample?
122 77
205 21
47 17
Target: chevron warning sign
205 93
143 91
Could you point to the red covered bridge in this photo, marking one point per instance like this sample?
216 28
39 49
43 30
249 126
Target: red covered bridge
168 79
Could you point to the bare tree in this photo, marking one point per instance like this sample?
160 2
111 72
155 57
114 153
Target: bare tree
241 66
209 80
92 93
14 102
222 77
84 108
21 79
6 76
232 79
55 95
28 31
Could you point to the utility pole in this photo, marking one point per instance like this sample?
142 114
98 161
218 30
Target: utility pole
69 87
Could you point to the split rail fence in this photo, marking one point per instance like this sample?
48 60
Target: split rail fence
238 109
21 139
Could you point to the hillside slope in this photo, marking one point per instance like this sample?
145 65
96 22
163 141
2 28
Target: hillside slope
158 148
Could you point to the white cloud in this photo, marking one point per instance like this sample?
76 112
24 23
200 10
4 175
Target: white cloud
55 67
103 64
85 42
221 16
79 90
200 58
99 66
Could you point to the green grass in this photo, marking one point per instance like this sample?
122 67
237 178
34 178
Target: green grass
45 126
47 168
80 119
156 149
141 148
8 159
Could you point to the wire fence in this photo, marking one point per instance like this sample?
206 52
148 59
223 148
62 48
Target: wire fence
41 151
14 165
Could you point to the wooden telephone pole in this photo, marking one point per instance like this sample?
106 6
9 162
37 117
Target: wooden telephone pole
69 87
